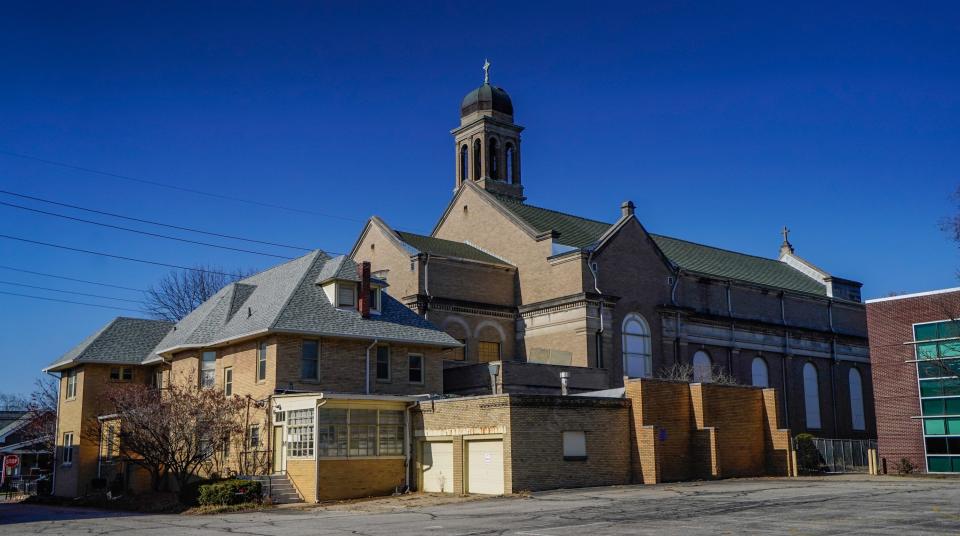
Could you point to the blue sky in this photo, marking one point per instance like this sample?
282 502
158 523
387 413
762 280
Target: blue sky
721 122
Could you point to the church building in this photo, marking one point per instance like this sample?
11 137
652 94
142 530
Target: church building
541 292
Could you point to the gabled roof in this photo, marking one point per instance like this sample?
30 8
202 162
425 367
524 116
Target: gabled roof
289 298
689 256
445 248
123 341
342 268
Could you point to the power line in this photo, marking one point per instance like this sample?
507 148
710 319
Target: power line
69 278
69 301
121 257
174 187
147 233
69 292
190 229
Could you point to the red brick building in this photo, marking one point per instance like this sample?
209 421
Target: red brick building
915 353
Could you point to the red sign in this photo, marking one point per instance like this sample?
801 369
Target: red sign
11 460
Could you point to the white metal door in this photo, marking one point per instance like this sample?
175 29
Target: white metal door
437 467
485 467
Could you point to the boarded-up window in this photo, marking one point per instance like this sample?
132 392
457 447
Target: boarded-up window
574 446
488 351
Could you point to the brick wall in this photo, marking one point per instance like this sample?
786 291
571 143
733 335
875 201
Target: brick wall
357 478
890 324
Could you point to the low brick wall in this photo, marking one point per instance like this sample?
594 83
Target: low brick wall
522 378
360 477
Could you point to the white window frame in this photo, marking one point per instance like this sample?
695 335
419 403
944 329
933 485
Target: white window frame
67 458
228 381
71 389
261 362
301 433
250 435
208 370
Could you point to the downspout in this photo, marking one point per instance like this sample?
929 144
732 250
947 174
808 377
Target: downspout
676 316
785 360
407 442
426 284
374 343
833 366
596 286
56 435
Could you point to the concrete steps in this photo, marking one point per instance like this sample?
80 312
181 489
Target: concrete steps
279 487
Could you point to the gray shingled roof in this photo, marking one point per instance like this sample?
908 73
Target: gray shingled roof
341 268
124 340
689 256
445 248
289 298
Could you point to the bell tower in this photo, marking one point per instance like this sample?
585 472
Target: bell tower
488 141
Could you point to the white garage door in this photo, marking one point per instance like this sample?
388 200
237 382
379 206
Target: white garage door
437 467
485 467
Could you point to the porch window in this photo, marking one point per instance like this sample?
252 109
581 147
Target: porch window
346 433
300 433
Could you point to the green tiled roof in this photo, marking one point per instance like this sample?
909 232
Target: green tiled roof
726 264
573 231
689 256
446 248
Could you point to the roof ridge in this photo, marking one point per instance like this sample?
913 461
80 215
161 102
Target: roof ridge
720 249
511 200
284 263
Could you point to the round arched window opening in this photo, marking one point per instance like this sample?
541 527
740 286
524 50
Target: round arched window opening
493 167
511 159
702 367
464 163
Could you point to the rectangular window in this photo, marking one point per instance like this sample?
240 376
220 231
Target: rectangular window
156 379
457 354
262 362
375 299
937 368
488 351
310 360
68 448
363 432
300 433
253 437
71 391
346 295
108 444
574 446
205 448
208 370
391 433
228 381
383 363
226 448
332 433
345 433
124 374
415 368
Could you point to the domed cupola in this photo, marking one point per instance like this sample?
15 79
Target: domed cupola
487 98
488 141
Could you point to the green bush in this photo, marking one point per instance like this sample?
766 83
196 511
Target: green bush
808 457
190 494
230 492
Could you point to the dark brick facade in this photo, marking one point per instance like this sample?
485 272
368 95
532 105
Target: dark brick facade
890 324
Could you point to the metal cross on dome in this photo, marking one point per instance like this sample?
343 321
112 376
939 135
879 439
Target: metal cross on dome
486 71
786 233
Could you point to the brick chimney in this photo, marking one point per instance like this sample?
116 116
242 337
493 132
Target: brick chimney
364 298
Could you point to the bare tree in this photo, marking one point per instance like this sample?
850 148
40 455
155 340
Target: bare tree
172 432
684 372
12 402
180 292
42 404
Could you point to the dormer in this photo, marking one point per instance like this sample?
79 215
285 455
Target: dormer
350 287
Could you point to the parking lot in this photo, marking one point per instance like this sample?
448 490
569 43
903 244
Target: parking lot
830 505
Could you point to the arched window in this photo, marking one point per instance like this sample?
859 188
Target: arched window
702 367
511 164
856 400
477 158
464 163
759 372
493 168
811 395
637 356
